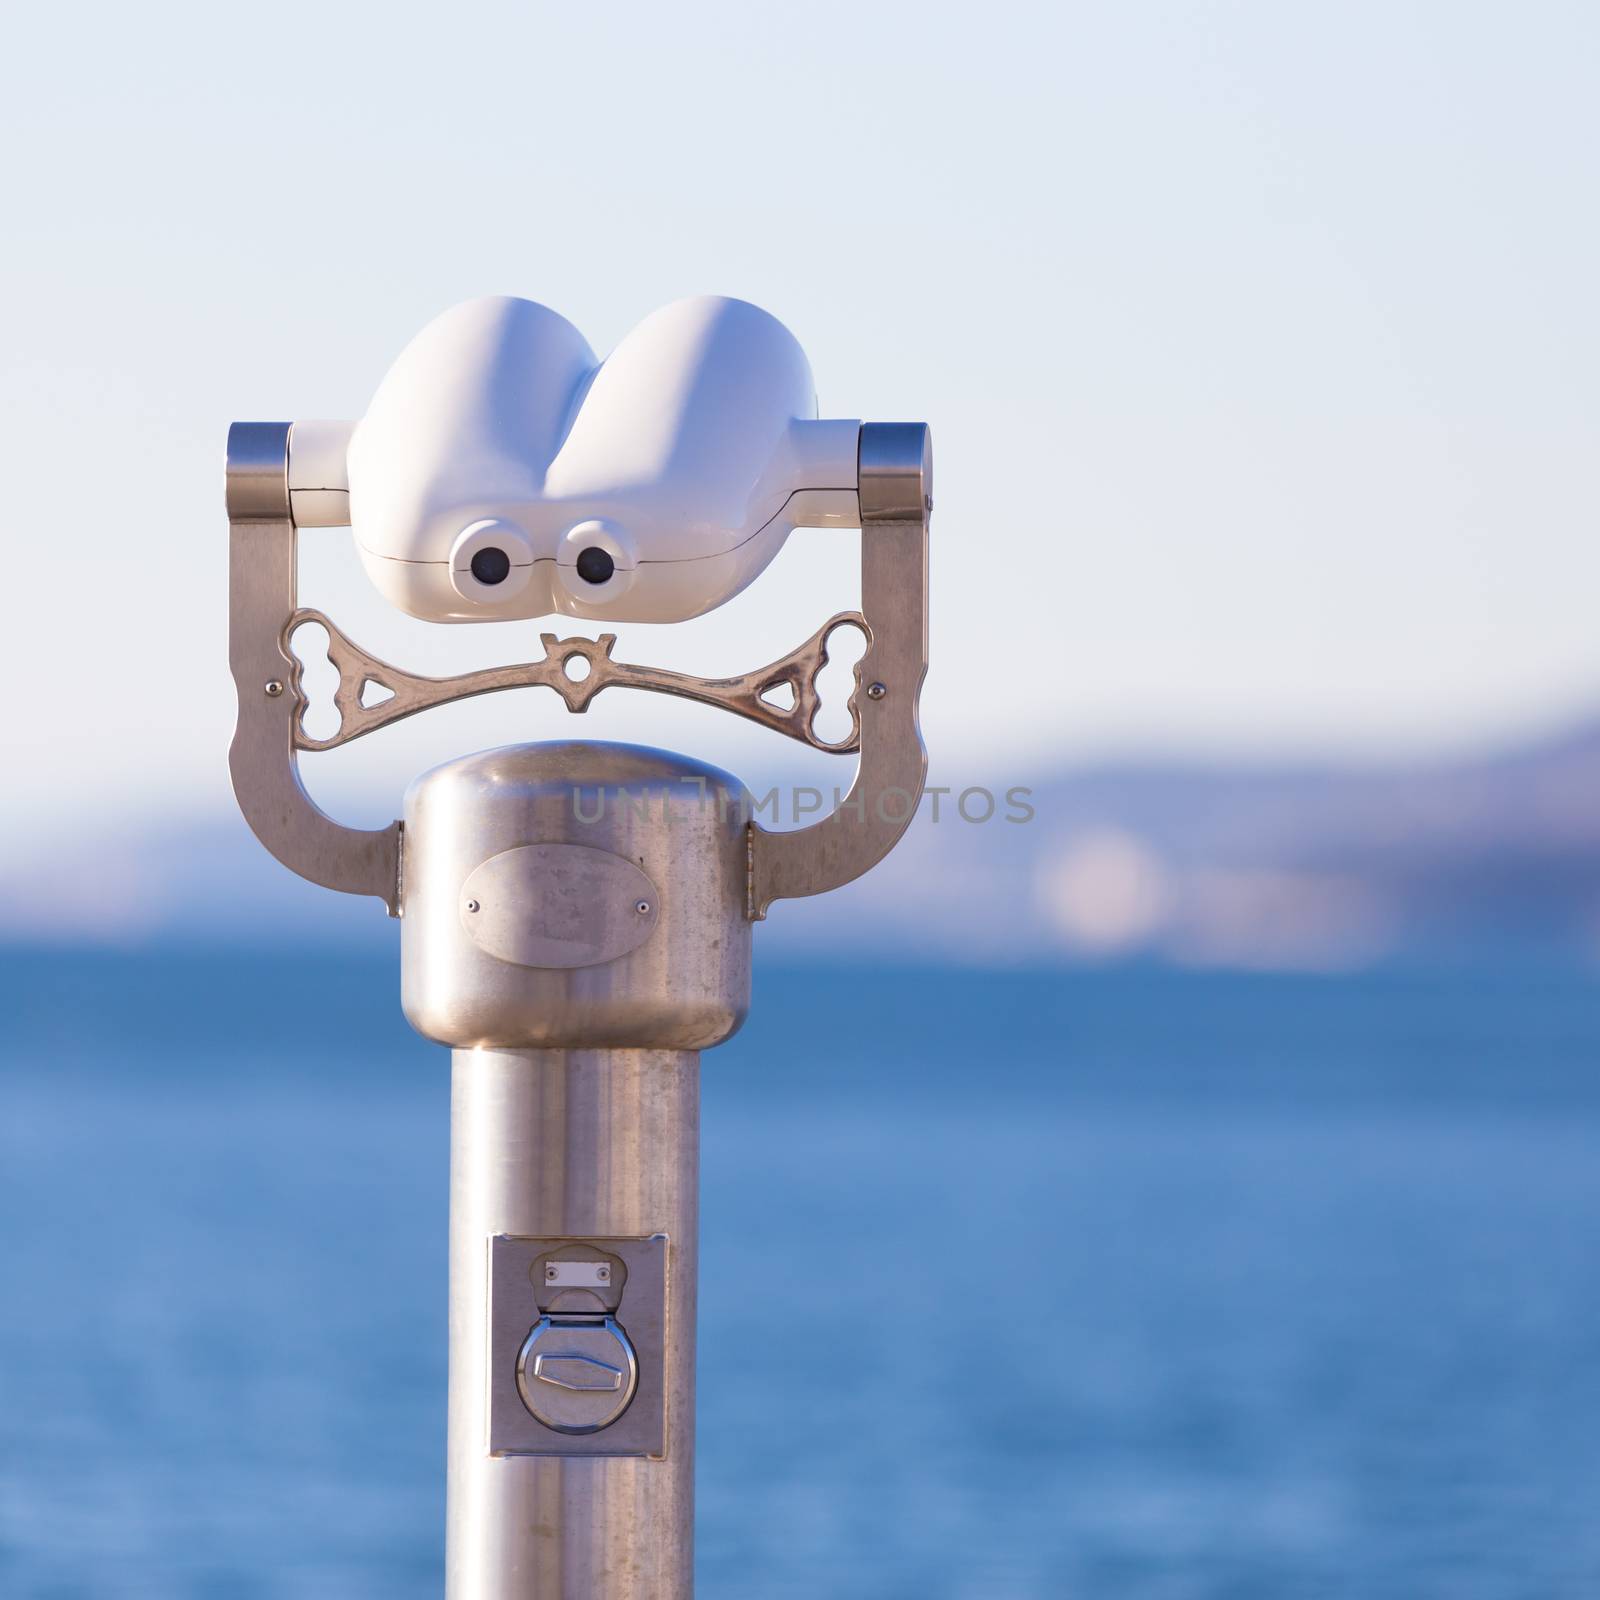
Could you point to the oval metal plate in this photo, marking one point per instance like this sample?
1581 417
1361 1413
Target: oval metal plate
558 905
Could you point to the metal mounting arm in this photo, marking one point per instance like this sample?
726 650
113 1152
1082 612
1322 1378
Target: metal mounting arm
895 488
261 596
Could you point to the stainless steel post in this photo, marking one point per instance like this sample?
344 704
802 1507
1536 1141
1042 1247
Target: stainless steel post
575 927
580 1143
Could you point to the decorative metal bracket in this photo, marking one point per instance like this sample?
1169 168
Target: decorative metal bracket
744 695
893 488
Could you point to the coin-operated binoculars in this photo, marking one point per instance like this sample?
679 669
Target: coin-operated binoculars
576 917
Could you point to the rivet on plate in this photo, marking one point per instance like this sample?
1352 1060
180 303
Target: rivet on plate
876 691
274 688
643 908
472 905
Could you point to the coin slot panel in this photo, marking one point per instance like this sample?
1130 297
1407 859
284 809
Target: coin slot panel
560 1311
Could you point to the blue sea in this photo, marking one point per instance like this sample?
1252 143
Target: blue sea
1128 1283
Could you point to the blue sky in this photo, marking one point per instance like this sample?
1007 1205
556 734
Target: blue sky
1260 344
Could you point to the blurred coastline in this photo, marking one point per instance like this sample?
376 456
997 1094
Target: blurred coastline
1307 867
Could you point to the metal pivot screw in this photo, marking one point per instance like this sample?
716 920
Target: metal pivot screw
274 688
876 691
472 905
603 1273
643 908
550 1273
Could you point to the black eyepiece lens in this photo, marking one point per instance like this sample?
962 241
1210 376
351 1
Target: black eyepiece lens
491 564
595 565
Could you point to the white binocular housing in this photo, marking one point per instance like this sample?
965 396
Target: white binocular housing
503 471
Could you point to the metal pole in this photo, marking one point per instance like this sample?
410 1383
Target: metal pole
575 928
554 1143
